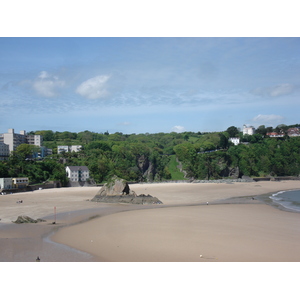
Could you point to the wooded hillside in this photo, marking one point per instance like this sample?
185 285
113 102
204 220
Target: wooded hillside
156 157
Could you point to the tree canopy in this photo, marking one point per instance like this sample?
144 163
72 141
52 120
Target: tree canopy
148 157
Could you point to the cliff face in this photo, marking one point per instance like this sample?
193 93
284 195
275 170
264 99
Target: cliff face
117 190
146 168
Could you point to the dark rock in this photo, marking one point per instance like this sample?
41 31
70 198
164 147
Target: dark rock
140 199
117 190
26 219
116 186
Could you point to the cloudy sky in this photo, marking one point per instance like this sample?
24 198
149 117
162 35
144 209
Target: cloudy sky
139 85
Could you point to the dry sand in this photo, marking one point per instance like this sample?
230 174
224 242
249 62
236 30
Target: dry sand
184 228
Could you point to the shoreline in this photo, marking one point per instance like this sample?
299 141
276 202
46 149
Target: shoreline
80 214
110 253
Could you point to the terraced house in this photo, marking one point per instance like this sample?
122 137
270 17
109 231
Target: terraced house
78 173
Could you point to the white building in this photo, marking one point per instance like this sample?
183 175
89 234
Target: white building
20 182
34 139
13 183
13 140
61 149
77 173
74 148
235 140
248 130
6 183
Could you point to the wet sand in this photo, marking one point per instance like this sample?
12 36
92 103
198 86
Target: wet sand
183 229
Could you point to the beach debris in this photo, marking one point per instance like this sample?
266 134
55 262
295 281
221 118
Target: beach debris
206 203
201 255
26 219
117 190
38 259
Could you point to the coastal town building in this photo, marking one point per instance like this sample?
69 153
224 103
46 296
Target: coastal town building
291 132
77 173
13 140
248 130
73 148
294 131
62 149
5 184
20 182
275 134
13 183
34 139
234 140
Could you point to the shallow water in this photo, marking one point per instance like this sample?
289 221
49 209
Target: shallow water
287 199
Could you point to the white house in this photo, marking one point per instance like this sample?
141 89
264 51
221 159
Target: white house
235 140
61 149
75 148
248 130
77 173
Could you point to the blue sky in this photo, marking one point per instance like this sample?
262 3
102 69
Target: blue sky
139 85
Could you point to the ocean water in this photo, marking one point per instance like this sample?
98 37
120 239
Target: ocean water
287 199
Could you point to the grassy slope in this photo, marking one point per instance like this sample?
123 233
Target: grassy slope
175 172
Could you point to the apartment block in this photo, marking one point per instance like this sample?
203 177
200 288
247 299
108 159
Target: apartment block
13 140
35 139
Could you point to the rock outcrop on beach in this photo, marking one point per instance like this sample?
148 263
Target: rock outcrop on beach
117 190
26 219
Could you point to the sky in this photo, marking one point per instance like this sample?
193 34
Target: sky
148 84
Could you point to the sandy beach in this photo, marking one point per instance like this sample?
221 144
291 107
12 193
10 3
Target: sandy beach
231 228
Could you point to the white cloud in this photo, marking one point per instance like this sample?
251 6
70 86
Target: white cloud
47 85
275 91
270 120
124 123
178 129
43 75
94 88
282 89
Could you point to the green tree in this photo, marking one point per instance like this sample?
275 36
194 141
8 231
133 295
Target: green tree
232 131
224 143
26 150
